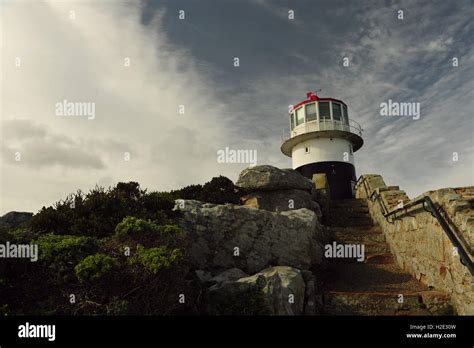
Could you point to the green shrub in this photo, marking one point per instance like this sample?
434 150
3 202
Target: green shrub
99 211
117 307
21 235
155 259
135 228
94 267
220 190
188 192
59 254
148 233
81 241
157 201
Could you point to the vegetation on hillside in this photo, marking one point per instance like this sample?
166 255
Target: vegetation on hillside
115 251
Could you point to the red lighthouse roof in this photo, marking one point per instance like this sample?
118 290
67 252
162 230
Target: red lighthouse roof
312 98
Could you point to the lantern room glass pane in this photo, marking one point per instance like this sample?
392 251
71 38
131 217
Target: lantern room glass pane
345 116
324 113
292 121
310 112
299 116
336 111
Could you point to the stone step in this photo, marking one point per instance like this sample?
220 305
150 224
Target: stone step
368 233
350 221
385 258
386 303
358 276
372 258
369 247
347 215
343 207
374 243
351 201
371 229
350 211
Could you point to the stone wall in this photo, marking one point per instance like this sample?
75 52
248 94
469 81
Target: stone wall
419 243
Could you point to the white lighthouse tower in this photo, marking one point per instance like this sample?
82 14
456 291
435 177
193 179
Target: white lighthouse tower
323 140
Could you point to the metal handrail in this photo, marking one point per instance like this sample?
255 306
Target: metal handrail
429 206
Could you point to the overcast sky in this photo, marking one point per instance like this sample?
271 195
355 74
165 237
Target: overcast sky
77 51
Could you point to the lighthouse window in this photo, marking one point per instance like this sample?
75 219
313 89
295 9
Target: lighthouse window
299 116
345 115
336 111
310 112
324 113
292 121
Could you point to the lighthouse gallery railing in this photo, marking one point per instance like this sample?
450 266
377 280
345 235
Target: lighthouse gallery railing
324 125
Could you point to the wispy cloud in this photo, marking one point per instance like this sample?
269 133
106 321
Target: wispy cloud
137 107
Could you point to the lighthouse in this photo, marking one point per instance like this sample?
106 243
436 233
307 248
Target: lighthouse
323 139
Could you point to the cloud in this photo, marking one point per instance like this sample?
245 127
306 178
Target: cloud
82 59
137 106
35 146
406 61
281 12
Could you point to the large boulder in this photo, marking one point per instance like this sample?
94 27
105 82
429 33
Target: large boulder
269 178
230 236
281 200
280 291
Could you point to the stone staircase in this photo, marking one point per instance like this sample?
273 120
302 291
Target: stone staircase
376 285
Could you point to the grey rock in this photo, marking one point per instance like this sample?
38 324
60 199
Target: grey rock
269 178
231 236
229 275
281 200
283 289
203 276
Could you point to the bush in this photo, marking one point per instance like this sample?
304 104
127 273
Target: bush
59 254
158 201
99 211
133 229
117 307
81 240
219 190
94 267
20 235
155 259
188 192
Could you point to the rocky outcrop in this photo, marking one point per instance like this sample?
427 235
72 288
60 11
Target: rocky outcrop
230 236
14 219
269 178
270 188
281 200
282 289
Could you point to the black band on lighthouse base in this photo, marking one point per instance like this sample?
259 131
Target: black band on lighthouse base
341 177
